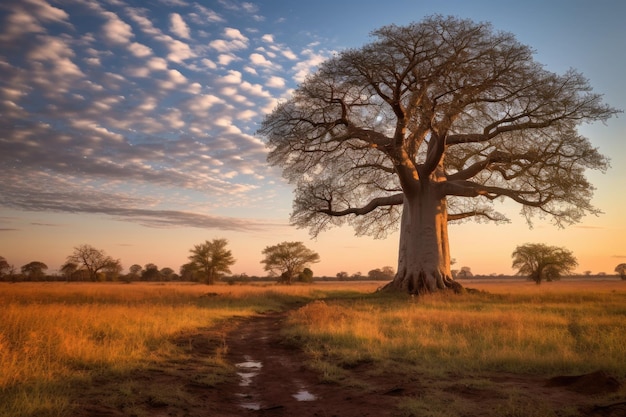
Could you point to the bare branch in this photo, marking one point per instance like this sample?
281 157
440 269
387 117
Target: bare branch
392 200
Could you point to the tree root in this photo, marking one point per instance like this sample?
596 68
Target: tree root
423 284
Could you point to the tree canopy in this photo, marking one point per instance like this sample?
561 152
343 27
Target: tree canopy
288 259
4 266
621 270
212 259
539 261
34 269
91 259
429 123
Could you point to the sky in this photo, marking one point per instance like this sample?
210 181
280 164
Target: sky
130 126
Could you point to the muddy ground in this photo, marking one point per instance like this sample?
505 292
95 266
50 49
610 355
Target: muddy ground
273 380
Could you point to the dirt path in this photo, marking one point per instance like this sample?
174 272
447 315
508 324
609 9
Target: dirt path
274 381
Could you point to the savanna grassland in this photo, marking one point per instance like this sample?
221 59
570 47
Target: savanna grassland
59 342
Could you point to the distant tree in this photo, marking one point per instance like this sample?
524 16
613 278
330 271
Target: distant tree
135 271
539 261
357 276
189 272
69 270
212 259
621 270
34 270
112 270
465 272
4 267
150 273
167 274
386 273
342 276
432 122
92 259
288 259
306 275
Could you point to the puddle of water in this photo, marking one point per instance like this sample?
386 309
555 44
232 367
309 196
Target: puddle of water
250 364
250 368
250 406
304 395
246 378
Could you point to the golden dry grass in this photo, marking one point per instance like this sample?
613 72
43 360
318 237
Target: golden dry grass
54 334
563 327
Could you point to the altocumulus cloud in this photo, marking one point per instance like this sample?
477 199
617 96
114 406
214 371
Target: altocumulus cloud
113 107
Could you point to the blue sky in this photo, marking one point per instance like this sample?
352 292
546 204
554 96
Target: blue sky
130 125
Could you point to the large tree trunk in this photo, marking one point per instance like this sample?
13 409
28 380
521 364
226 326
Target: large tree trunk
424 255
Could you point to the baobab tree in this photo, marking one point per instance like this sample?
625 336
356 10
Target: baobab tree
431 123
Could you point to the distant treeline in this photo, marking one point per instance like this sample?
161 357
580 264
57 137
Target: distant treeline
169 278
243 278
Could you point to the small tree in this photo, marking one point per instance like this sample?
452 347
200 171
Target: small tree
92 259
621 270
112 270
288 259
168 274
465 272
150 273
134 271
540 261
342 276
306 275
68 270
188 272
4 267
386 273
212 259
34 270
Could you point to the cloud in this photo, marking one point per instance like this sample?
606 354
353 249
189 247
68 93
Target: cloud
179 51
116 30
204 15
157 64
178 26
233 77
28 17
235 34
139 50
306 66
126 209
113 117
234 41
276 82
226 59
260 60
